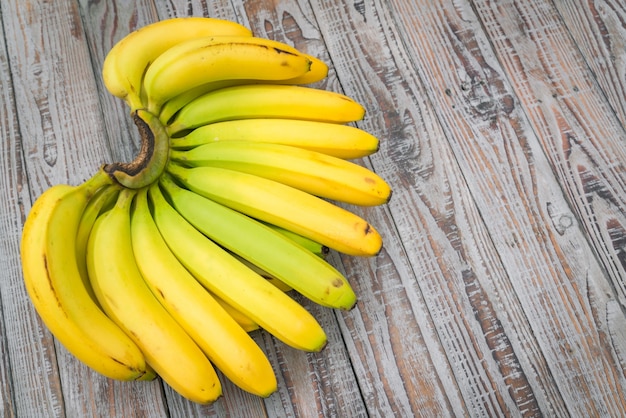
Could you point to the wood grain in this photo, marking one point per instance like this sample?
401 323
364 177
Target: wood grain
500 289
598 29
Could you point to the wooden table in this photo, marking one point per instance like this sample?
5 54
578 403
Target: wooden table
500 290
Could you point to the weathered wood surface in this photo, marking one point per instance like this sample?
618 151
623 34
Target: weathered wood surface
501 288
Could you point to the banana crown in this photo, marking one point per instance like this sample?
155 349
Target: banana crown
226 212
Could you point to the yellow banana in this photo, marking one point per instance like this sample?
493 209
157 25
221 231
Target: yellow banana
126 63
283 205
244 322
125 297
267 276
317 72
264 247
235 283
55 286
342 141
205 60
265 101
310 171
224 342
102 200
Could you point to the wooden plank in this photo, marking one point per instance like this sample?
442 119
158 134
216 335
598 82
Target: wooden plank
554 281
599 32
584 141
441 302
63 140
27 352
500 288
105 23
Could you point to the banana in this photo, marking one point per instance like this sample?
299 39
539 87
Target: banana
341 141
57 291
244 322
265 101
267 276
310 171
173 105
317 72
126 63
102 200
264 247
315 247
205 60
224 342
235 283
125 297
283 205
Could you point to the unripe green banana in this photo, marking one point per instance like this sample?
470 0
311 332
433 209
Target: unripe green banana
264 247
235 283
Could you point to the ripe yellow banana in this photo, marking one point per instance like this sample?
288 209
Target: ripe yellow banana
310 171
224 342
244 322
102 200
342 141
283 205
126 63
205 60
55 286
265 101
317 72
235 283
264 247
125 297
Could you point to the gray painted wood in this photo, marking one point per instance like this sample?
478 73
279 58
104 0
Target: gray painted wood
500 289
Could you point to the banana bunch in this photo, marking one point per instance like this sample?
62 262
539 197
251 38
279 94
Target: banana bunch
162 266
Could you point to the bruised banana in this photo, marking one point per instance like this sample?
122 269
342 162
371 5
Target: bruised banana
127 300
341 141
235 283
200 61
310 171
221 338
126 63
265 101
283 205
57 290
264 247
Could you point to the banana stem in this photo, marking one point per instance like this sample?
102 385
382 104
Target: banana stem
100 179
150 163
